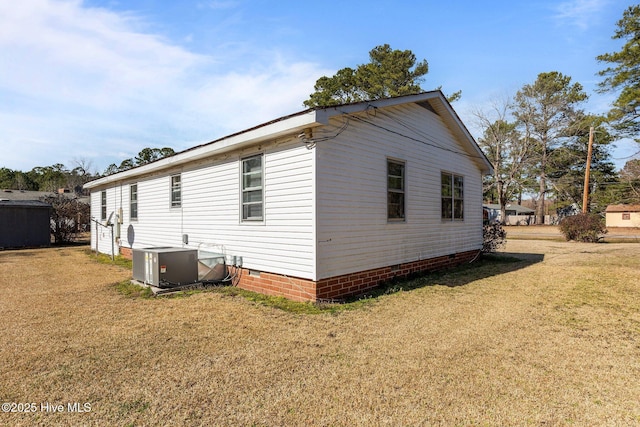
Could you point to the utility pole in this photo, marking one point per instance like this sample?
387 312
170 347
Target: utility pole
587 171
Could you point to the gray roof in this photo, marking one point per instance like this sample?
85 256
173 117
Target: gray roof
15 195
23 194
24 204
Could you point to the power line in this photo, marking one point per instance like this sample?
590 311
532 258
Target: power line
412 138
627 157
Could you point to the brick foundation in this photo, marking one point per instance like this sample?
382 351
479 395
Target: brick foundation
298 289
294 288
337 287
126 252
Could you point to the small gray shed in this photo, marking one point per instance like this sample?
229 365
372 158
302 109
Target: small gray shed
24 223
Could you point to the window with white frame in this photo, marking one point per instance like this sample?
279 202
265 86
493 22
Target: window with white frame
252 186
103 205
176 191
133 202
395 190
452 196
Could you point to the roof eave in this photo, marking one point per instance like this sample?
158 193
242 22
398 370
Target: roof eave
275 129
297 122
460 130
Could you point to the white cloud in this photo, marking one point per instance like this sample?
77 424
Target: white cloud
86 56
219 5
579 13
279 86
91 80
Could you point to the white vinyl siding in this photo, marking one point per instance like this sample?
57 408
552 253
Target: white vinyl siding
325 209
210 213
103 203
353 231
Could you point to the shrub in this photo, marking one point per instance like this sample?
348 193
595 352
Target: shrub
583 227
494 237
68 217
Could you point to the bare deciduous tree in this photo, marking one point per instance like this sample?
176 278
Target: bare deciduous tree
506 149
68 217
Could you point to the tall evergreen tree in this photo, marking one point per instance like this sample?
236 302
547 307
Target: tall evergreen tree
547 114
146 155
49 178
389 73
568 162
624 75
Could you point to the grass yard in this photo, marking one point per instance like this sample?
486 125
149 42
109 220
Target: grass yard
553 339
552 232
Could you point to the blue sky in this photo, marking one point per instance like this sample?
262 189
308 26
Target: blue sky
98 80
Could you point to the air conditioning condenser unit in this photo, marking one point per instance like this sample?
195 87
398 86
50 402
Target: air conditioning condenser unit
165 267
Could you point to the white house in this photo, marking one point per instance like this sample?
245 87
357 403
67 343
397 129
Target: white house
319 204
516 214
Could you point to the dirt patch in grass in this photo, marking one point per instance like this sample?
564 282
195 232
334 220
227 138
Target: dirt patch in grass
555 341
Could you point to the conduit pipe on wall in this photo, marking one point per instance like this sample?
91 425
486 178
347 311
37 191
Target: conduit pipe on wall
110 226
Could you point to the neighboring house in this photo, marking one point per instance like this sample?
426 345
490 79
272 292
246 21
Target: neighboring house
16 195
516 214
319 204
39 195
24 223
622 216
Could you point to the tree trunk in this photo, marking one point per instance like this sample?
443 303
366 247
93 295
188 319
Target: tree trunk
502 201
543 183
540 207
